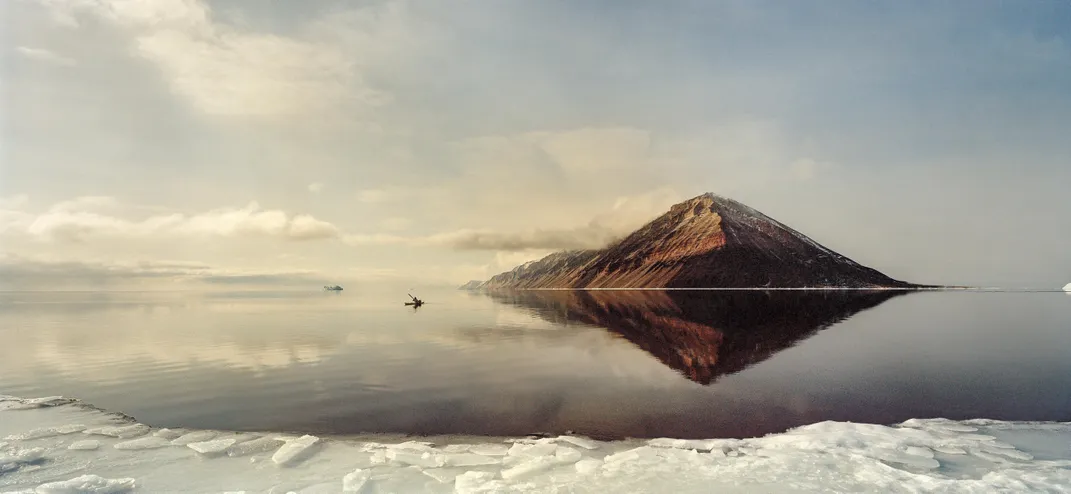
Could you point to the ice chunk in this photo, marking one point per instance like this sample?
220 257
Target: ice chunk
477 482
15 460
87 484
119 431
581 442
906 459
168 434
13 403
443 475
86 445
529 468
695 444
633 454
950 450
260 445
587 465
194 437
355 480
295 450
456 448
426 459
490 449
567 455
1010 453
1067 288
412 445
213 447
469 460
44 432
150 442
532 450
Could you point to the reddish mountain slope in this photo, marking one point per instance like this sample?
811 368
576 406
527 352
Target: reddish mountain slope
705 242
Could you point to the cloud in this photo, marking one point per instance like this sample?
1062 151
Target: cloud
224 69
15 201
591 237
85 203
357 239
316 187
46 56
80 219
628 214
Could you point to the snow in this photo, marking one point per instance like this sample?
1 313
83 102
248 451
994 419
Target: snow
356 480
87 484
43 452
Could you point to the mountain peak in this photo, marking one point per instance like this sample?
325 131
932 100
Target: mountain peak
708 241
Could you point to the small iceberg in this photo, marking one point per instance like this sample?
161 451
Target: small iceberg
1067 288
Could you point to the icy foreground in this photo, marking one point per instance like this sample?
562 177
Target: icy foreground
57 445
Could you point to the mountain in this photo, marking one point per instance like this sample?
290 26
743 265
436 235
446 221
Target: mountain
471 285
702 334
705 242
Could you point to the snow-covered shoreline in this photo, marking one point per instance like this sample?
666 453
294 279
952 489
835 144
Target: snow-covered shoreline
59 445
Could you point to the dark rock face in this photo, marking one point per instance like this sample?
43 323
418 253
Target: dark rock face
702 334
706 242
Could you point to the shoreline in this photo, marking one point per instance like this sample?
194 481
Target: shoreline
56 444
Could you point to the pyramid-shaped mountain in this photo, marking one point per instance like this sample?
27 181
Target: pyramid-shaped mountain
706 242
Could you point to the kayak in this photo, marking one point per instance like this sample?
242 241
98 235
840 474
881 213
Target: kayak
414 304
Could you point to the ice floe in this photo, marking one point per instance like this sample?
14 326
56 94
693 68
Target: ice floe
43 452
87 484
85 445
213 447
294 450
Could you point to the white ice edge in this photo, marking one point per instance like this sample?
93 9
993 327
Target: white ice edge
59 445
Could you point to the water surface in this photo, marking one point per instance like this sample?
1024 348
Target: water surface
607 364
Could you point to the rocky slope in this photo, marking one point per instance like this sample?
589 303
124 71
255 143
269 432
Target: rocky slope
706 242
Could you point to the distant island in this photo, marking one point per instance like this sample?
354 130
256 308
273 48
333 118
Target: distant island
471 285
705 242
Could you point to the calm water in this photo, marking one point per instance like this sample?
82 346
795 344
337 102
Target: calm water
608 364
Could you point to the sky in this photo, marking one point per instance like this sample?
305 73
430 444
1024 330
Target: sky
225 143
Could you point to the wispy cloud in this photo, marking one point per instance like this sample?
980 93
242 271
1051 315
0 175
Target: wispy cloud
226 69
46 56
627 214
316 187
81 219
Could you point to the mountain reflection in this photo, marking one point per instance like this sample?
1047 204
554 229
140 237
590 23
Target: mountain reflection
702 334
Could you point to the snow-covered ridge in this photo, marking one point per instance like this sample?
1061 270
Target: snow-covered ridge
56 445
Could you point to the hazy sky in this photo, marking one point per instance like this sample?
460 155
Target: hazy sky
270 141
